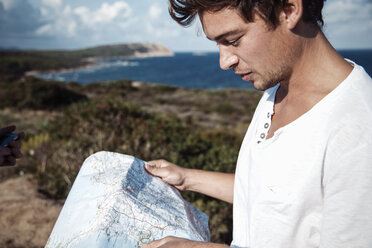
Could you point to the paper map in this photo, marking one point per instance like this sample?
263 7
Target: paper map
114 202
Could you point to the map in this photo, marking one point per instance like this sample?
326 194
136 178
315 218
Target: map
114 202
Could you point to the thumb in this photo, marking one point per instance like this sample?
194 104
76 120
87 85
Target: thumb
149 245
4 151
156 171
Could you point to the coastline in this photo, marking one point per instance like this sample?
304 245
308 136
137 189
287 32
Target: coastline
91 62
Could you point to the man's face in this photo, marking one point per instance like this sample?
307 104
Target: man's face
253 50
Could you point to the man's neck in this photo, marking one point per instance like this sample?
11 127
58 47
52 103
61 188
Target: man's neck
318 71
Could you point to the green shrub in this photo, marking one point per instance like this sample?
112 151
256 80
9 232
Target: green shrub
32 93
19 62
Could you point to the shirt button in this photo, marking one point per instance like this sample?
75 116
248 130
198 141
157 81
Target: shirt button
266 125
258 142
268 115
262 135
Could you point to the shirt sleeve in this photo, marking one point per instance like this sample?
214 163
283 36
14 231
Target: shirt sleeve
347 189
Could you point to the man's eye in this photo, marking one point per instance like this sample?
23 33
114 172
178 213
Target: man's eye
233 42
226 42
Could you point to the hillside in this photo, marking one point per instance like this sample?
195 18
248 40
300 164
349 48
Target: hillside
17 62
127 50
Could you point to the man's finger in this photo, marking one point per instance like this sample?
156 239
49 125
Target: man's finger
6 130
153 244
156 171
10 160
4 151
17 152
156 163
7 161
21 135
14 144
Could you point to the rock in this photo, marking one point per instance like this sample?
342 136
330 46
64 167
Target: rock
151 50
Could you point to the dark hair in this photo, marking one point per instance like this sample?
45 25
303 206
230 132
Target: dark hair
184 11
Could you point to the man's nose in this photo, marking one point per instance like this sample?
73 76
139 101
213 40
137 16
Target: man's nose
227 58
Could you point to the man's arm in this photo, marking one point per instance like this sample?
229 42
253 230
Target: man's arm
215 184
347 184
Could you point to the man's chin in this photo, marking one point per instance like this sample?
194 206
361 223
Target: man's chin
258 86
262 86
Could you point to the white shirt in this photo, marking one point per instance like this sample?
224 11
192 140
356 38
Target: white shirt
310 185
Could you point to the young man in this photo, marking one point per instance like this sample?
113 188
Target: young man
304 172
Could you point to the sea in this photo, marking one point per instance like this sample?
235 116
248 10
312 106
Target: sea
187 70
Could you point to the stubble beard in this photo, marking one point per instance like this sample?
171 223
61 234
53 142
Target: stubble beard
281 74
271 79
284 55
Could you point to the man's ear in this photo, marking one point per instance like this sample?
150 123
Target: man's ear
292 10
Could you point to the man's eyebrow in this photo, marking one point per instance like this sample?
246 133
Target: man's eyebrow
222 36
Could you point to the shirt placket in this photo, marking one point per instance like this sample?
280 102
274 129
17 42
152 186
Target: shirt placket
264 124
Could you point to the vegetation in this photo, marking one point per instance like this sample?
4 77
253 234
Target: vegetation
36 94
65 123
19 62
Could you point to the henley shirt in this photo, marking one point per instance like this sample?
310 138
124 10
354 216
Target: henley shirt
310 185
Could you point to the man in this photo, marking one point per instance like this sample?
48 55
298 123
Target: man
304 172
12 150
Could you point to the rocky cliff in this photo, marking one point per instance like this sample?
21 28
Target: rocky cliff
127 50
149 50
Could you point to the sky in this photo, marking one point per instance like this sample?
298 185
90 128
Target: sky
74 24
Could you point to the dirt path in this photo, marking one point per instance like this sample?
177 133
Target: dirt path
26 217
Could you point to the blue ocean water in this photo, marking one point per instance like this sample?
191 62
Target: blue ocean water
362 57
183 70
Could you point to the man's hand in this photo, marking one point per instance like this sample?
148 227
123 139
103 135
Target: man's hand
171 242
168 172
214 184
9 154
